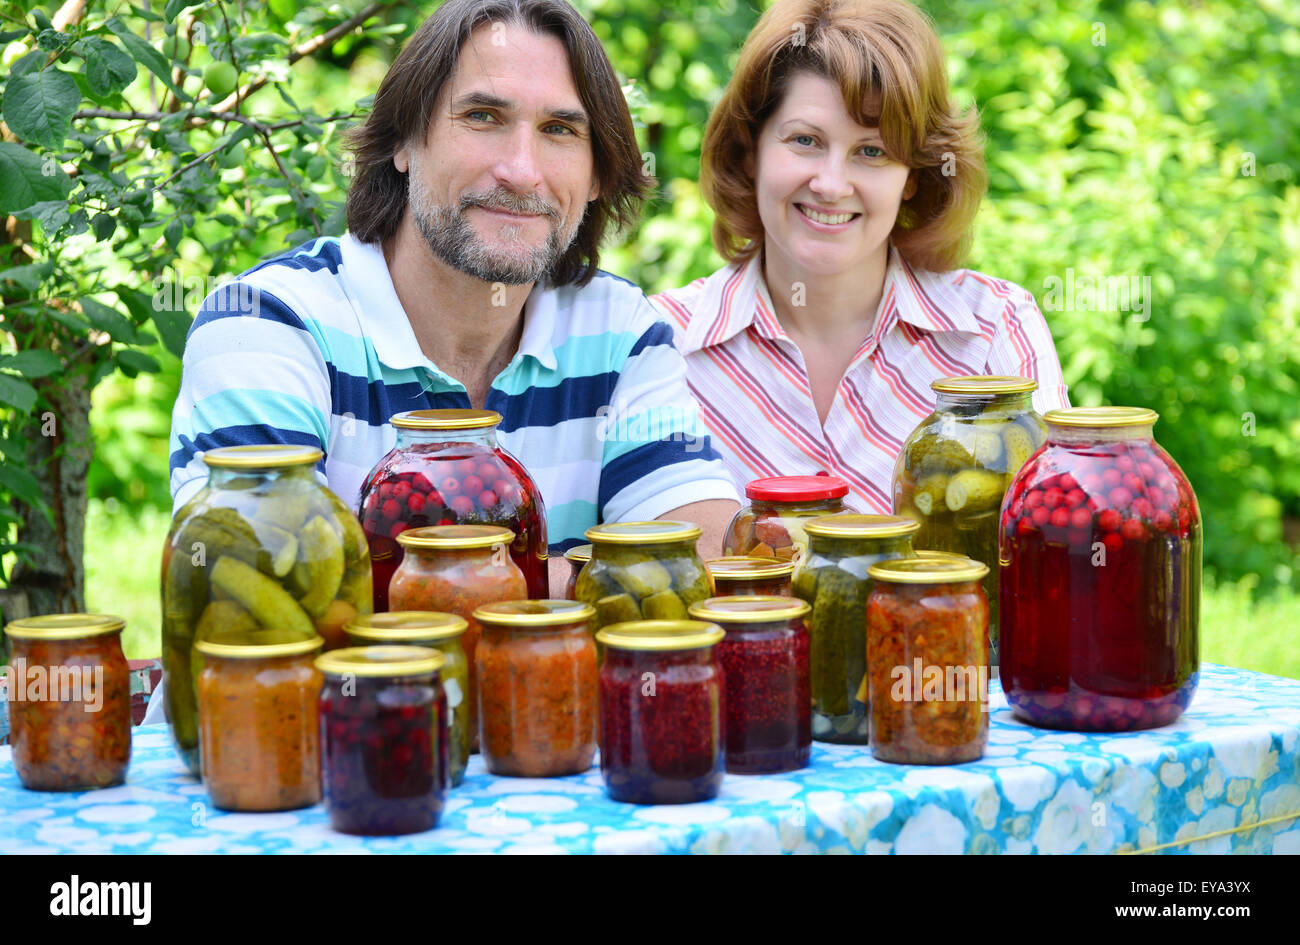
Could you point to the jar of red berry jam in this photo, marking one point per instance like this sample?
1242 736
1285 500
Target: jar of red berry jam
444 633
1101 577
661 711
69 702
738 575
764 660
448 469
927 653
577 556
383 722
771 526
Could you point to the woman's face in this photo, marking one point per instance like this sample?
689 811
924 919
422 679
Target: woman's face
828 196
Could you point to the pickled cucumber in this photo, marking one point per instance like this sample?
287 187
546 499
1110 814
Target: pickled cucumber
974 490
225 621
839 647
1019 447
988 446
322 551
282 547
644 579
616 608
263 598
935 453
930 493
663 606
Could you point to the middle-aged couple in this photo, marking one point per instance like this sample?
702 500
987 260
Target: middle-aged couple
498 155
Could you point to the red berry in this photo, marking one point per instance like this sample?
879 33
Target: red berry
1162 520
421 483
1075 498
386 490
1091 483
1142 508
1093 503
1081 518
462 504
488 471
1040 515
449 485
1133 484
1110 478
1125 463
1146 471
1113 541
1033 499
1184 517
391 509
1025 526
415 502
397 529
503 487
1053 497
1156 496
1061 518
486 499
1120 498
471 485
1110 520
1068 482
1051 482
1015 509
1132 529
401 490
466 467
446 521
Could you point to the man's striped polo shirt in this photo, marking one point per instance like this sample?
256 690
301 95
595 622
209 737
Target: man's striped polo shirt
313 347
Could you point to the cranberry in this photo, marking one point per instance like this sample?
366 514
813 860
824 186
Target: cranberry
1051 482
1075 498
1162 520
1184 517
386 490
1091 483
1110 478
1040 515
1053 497
1132 529
466 467
1068 482
1120 497
1025 526
1113 541
1133 484
1110 520
488 472
1142 508
1081 518
449 486
1146 471
1093 503
397 529
401 490
415 503
420 482
391 509
1156 496
1033 499
1061 518
487 498
1016 508
446 521
503 487
1125 464
462 504
471 485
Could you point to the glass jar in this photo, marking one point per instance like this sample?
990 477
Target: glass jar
764 660
927 649
383 718
661 711
69 702
259 735
771 526
643 570
444 633
263 554
957 465
455 569
537 687
739 575
1101 577
833 580
577 556
448 469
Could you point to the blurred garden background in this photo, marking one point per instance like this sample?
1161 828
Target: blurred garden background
150 149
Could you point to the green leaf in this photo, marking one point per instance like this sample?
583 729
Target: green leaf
28 63
108 319
147 56
50 214
104 226
134 362
172 324
34 363
108 69
28 277
175 8
38 107
21 484
17 393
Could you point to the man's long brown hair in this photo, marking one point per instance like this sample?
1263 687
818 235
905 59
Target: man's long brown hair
403 108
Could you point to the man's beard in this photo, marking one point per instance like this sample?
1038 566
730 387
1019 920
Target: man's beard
452 239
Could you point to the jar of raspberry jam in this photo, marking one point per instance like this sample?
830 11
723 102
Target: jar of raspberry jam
739 575
444 633
771 526
764 660
1101 577
383 739
69 702
577 556
661 712
447 468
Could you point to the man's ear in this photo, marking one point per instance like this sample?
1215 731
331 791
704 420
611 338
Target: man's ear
595 190
401 160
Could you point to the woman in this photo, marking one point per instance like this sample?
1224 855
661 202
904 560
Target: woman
845 187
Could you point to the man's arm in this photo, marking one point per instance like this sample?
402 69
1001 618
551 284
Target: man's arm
713 517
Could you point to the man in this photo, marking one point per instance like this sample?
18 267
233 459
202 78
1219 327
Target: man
497 154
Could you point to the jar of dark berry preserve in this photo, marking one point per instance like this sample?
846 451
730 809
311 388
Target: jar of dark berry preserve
661 711
383 718
764 659
1101 577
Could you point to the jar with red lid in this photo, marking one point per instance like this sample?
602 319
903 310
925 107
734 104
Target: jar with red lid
455 569
927 653
661 712
1101 577
448 469
69 702
577 556
739 575
764 660
383 739
771 526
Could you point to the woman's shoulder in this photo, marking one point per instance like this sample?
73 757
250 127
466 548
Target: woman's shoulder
693 309
680 304
983 291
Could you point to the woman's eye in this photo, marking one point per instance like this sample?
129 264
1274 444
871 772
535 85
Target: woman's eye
872 151
805 141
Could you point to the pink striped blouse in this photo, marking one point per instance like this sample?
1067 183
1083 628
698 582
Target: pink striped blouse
753 388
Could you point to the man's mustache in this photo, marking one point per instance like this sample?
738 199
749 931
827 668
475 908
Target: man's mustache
502 199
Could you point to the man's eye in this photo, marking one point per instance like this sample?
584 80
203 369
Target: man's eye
479 115
559 129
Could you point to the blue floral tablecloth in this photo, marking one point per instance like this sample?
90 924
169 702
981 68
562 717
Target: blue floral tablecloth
1225 778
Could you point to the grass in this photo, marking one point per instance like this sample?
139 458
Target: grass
124 553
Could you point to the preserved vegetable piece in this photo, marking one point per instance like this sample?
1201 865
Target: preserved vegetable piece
746 574
927 648
71 721
771 526
259 735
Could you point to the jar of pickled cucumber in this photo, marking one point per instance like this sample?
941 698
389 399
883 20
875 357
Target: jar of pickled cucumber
263 554
643 570
444 633
447 468
577 556
771 526
833 580
957 465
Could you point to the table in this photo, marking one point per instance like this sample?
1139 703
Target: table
1224 778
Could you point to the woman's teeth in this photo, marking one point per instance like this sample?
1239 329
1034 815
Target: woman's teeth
830 219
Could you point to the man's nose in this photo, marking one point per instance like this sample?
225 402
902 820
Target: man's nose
518 166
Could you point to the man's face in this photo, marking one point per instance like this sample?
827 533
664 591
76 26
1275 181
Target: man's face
499 187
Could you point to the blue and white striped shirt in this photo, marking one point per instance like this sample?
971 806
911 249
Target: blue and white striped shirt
313 347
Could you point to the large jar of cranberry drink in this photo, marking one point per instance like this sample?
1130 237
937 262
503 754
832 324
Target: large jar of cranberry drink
1101 577
448 469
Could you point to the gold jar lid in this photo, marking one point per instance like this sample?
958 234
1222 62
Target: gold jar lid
748 567
406 626
661 635
861 526
939 555
63 626
643 533
267 456
455 537
1101 417
984 384
446 419
255 651
534 613
578 554
381 661
928 570
754 608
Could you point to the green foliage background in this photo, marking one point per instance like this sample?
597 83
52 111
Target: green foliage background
1124 138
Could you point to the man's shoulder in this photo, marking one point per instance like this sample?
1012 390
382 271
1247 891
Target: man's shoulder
606 304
